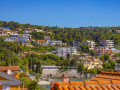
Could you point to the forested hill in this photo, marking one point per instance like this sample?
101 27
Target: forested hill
70 34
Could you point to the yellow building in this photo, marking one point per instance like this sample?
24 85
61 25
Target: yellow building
9 78
93 63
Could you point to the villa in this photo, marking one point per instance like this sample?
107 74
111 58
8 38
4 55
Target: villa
9 78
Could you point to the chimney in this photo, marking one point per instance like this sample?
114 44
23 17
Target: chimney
65 78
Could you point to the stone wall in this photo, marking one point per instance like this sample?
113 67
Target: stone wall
56 73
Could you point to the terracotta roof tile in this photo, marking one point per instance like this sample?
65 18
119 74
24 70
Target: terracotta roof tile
65 88
88 88
90 82
76 88
114 87
104 88
93 88
76 83
98 87
109 87
101 82
118 86
59 88
13 68
115 81
62 83
70 88
82 88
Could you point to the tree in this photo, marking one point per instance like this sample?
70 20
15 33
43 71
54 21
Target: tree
38 75
106 57
68 56
80 68
38 67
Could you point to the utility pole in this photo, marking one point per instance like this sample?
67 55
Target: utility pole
23 85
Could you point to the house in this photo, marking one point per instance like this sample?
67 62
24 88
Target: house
38 30
54 42
41 42
28 30
18 29
9 78
4 31
117 31
64 44
63 51
106 43
76 43
47 37
103 81
89 43
103 50
93 63
14 35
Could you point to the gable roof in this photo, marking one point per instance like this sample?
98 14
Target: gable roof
10 79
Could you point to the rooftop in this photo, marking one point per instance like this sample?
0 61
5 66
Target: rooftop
13 68
104 81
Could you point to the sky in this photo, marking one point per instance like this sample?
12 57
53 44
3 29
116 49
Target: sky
63 13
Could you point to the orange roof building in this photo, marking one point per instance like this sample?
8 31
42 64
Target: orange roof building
9 78
104 81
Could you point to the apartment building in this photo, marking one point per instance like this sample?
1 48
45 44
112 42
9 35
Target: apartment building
41 42
10 39
93 63
103 50
76 43
90 43
24 39
63 51
106 43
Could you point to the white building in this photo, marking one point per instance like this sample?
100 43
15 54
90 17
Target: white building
63 51
14 35
107 43
54 42
76 43
41 42
10 39
90 43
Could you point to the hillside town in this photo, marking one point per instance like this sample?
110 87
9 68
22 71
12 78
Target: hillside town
40 54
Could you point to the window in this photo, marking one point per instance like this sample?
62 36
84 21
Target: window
6 87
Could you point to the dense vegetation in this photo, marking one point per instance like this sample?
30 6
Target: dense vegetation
9 51
69 34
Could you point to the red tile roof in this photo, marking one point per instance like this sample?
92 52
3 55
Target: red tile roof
104 81
13 68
